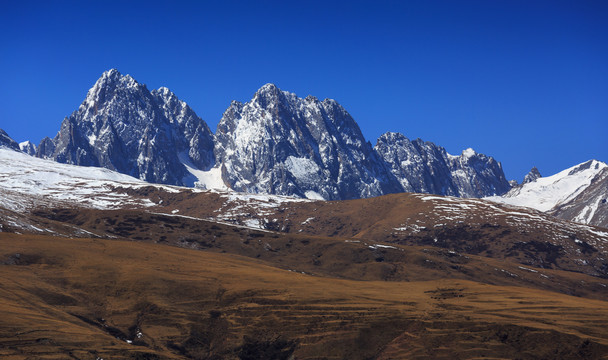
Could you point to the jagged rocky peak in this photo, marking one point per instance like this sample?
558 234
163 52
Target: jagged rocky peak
105 89
7 141
281 144
28 147
427 168
531 176
478 175
46 148
198 137
123 126
276 143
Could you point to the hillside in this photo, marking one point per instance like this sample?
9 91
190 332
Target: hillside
95 298
98 264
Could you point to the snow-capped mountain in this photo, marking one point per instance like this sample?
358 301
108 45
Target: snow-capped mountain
424 167
279 143
578 193
590 206
124 127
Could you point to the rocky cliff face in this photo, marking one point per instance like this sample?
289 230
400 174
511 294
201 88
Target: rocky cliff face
124 127
7 141
277 143
590 206
424 167
280 144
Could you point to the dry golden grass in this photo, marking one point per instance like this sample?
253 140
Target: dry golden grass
470 226
82 298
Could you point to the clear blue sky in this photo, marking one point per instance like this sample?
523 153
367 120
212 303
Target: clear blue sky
523 81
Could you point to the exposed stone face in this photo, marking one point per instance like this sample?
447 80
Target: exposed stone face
7 141
532 176
277 143
124 127
590 206
281 144
28 148
46 149
424 167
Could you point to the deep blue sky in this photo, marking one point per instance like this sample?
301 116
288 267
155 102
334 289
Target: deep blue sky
523 81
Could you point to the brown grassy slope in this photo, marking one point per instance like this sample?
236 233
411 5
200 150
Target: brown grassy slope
471 226
83 298
326 256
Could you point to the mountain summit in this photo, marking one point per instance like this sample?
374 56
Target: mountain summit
281 144
276 143
424 167
123 126
532 176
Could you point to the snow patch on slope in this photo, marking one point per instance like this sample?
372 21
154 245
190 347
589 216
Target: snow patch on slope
27 182
548 192
210 179
313 195
301 167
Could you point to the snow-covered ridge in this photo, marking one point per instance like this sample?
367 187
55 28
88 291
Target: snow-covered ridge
276 143
27 182
424 167
281 144
548 193
123 126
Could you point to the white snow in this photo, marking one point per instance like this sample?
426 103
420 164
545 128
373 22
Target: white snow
527 269
375 246
210 179
92 139
252 223
27 182
26 144
468 153
313 195
438 198
307 220
586 215
548 192
301 167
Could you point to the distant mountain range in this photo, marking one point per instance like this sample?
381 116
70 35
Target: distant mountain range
278 143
